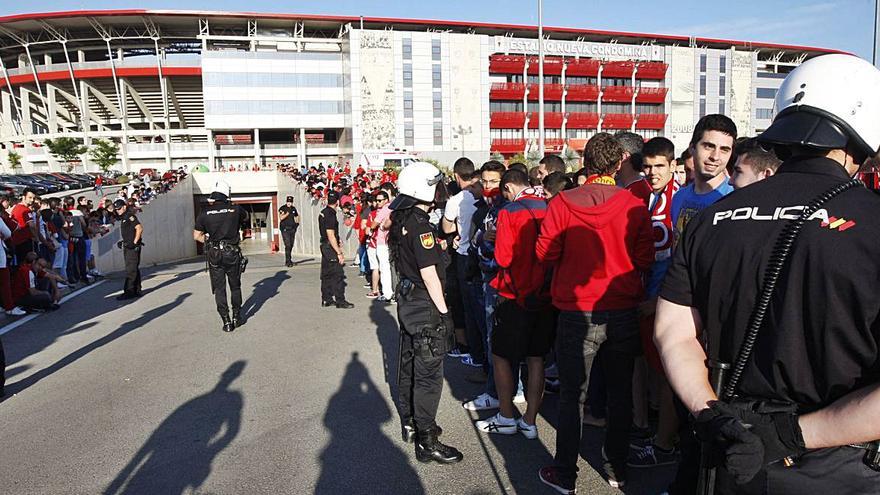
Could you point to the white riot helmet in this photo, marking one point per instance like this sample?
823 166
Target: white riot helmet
220 192
827 103
417 183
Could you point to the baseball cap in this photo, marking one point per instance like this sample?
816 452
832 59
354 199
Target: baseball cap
119 203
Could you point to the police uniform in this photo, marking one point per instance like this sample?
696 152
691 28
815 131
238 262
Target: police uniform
288 228
222 222
332 273
426 335
131 254
806 355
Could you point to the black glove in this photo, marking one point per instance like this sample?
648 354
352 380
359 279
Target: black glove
779 432
447 322
119 244
742 452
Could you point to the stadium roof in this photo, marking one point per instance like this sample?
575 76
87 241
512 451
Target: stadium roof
184 20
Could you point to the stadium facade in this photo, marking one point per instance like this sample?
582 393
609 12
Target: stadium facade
188 88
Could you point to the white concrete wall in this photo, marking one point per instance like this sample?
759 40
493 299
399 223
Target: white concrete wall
264 181
168 224
307 242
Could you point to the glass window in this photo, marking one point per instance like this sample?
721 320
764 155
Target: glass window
722 64
435 75
408 134
702 85
435 49
407 48
702 107
438 134
764 113
722 86
768 93
722 107
703 62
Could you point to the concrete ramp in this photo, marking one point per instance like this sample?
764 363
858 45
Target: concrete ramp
168 224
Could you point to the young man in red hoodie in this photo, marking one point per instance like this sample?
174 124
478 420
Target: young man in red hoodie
599 238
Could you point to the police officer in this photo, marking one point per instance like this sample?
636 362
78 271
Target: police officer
332 257
132 239
796 408
219 226
426 327
288 221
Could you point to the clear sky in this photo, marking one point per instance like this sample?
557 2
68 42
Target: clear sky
842 24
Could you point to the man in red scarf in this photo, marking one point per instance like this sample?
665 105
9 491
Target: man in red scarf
658 156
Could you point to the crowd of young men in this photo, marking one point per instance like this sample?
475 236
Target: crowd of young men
554 282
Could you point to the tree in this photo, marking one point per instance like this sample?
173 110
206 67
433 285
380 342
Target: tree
14 160
66 149
571 158
498 157
532 158
105 154
518 158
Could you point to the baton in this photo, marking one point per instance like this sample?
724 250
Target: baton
706 479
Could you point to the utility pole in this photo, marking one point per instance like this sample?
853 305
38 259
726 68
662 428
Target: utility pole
541 77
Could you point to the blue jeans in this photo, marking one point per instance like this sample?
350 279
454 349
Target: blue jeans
474 322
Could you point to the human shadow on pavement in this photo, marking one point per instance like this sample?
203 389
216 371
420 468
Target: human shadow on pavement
264 290
359 457
171 280
388 334
178 455
124 329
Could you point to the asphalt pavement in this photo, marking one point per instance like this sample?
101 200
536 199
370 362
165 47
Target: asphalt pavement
150 397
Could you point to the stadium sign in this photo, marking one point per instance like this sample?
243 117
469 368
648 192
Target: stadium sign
504 44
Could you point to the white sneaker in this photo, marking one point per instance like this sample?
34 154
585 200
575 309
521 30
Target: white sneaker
519 398
62 286
528 431
497 424
16 311
482 402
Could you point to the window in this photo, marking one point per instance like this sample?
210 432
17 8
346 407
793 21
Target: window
438 105
722 64
407 49
408 134
438 134
722 107
768 93
435 50
407 75
702 107
764 113
435 76
722 86
703 63
702 85
407 106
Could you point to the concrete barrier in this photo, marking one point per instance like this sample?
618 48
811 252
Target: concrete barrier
308 237
168 224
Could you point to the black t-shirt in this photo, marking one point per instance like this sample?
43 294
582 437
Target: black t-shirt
222 221
420 248
126 227
327 221
288 223
821 335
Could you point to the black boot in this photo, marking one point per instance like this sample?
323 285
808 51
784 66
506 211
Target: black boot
227 323
408 430
428 449
237 319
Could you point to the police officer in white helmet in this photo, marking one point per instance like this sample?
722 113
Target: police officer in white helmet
426 328
789 329
219 227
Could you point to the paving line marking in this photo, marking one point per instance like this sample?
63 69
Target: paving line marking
12 326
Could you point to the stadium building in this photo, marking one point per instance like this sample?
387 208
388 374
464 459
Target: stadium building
236 89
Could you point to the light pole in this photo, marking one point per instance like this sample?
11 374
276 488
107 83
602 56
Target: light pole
541 76
462 131
876 27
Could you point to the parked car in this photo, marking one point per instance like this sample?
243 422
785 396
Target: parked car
51 186
63 185
11 188
80 184
19 179
108 179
